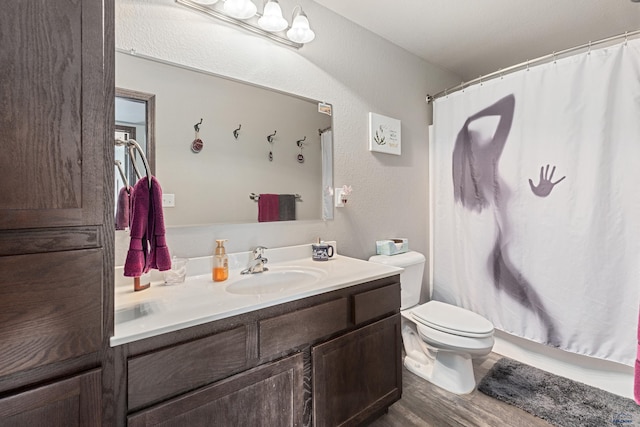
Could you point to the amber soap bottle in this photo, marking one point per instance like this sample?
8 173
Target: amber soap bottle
220 271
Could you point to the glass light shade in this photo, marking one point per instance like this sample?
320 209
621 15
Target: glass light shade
240 9
272 19
300 32
207 2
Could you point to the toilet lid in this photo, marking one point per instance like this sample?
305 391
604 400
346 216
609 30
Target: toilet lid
453 320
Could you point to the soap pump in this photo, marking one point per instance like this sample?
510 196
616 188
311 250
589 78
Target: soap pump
220 271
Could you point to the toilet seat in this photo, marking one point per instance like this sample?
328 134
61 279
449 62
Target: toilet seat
445 341
450 319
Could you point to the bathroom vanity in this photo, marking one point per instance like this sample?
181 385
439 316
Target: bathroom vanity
325 354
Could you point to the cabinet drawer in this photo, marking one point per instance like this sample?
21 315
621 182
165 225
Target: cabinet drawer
165 373
291 330
375 303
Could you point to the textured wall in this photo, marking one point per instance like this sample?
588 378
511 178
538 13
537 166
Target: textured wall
345 65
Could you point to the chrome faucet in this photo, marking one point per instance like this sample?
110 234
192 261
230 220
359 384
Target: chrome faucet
257 264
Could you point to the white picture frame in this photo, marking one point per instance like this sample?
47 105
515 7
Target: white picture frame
384 134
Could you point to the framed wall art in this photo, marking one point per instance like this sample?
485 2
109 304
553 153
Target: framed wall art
384 134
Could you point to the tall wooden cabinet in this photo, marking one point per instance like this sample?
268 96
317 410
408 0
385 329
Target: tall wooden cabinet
56 268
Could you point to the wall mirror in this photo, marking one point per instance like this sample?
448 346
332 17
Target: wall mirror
219 143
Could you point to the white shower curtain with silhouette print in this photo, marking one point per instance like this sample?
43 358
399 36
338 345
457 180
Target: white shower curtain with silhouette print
536 202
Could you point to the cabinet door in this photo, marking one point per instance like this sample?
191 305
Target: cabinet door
358 374
52 113
269 395
72 402
50 308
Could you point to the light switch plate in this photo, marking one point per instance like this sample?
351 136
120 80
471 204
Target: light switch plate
168 200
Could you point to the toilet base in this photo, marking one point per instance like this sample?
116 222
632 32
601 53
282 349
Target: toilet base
444 368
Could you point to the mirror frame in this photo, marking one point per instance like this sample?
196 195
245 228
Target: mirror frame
150 117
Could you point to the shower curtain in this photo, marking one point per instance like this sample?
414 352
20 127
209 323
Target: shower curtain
536 202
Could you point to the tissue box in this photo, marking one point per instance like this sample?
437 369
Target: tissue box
392 246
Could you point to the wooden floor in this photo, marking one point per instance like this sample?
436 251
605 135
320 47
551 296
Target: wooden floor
426 405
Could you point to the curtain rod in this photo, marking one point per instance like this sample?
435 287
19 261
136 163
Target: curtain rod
554 55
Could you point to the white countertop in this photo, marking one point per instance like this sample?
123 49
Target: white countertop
166 308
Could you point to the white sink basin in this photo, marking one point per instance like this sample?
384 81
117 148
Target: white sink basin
276 279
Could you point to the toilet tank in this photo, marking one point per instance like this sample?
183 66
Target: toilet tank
410 278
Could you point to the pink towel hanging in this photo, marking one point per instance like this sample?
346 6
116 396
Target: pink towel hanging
148 246
123 209
268 207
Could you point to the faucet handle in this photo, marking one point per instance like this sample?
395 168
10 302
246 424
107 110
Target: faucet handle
258 251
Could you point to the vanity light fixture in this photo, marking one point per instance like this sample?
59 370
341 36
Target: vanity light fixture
300 30
271 19
269 24
240 9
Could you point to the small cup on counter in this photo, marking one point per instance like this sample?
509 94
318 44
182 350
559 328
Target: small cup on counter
177 273
321 251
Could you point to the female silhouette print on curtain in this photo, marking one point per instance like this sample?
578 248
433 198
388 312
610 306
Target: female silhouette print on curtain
478 185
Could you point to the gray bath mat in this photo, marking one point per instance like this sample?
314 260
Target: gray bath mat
559 401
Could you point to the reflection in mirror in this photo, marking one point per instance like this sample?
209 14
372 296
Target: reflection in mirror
134 119
218 141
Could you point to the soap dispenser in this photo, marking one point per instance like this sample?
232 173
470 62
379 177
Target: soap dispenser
220 271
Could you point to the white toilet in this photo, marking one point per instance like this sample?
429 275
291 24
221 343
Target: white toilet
439 339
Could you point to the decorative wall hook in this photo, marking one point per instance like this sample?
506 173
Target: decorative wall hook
197 144
299 143
270 137
197 126
236 132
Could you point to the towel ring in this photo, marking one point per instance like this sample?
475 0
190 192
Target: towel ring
122 175
131 144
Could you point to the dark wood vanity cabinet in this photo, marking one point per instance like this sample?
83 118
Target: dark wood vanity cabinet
56 268
327 360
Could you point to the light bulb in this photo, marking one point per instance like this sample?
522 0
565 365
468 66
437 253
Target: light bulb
272 19
240 9
300 32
